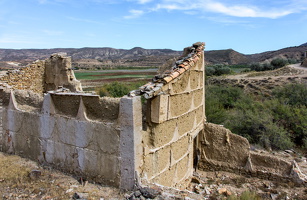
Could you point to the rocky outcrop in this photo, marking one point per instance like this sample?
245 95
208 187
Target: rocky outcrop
304 63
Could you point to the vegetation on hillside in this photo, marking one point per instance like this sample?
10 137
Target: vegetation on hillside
278 122
221 69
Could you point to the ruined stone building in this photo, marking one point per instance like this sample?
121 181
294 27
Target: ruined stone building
119 141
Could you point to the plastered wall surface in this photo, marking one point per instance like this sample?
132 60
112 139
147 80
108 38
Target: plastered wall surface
75 144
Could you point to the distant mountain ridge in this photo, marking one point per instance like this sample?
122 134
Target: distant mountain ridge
83 53
137 56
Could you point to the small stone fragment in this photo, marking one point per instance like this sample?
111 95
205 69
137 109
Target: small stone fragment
35 174
149 192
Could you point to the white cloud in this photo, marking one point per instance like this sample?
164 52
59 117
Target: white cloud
243 11
235 10
134 14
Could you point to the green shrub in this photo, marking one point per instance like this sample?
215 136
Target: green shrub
292 94
262 121
246 195
279 62
218 70
117 89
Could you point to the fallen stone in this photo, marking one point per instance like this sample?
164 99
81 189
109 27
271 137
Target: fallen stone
137 193
224 191
35 174
80 196
149 192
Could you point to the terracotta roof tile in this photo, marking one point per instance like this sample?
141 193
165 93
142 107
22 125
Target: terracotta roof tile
153 88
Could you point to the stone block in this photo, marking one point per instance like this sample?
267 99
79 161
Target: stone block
180 104
181 85
109 166
183 169
195 79
186 123
163 158
107 141
198 97
149 166
159 108
180 147
199 65
130 118
200 114
166 178
163 133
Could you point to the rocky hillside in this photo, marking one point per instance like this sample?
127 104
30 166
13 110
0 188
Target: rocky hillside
228 56
296 53
109 57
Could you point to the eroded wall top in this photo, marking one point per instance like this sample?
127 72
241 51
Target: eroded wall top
42 76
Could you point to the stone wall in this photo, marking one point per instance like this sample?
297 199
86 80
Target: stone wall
63 130
304 63
43 76
174 118
27 78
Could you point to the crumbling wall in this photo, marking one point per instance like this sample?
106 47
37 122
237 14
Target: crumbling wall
43 76
26 78
222 150
175 115
62 130
58 72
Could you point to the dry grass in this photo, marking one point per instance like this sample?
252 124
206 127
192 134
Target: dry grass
16 182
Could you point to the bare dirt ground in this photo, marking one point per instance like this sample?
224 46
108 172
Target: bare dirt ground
24 179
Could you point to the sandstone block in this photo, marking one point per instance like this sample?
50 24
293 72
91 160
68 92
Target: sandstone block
159 108
195 79
198 97
180 147
166 178
180 104
182 169
186 123
163 133
181 85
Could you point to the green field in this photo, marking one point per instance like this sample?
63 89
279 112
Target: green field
81 75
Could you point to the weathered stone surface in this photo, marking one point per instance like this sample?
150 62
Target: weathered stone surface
58 72
159 108
180 104
231 155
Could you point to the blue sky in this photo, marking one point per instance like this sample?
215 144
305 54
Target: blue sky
247 26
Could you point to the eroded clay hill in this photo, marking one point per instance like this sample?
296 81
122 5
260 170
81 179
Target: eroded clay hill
264 82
